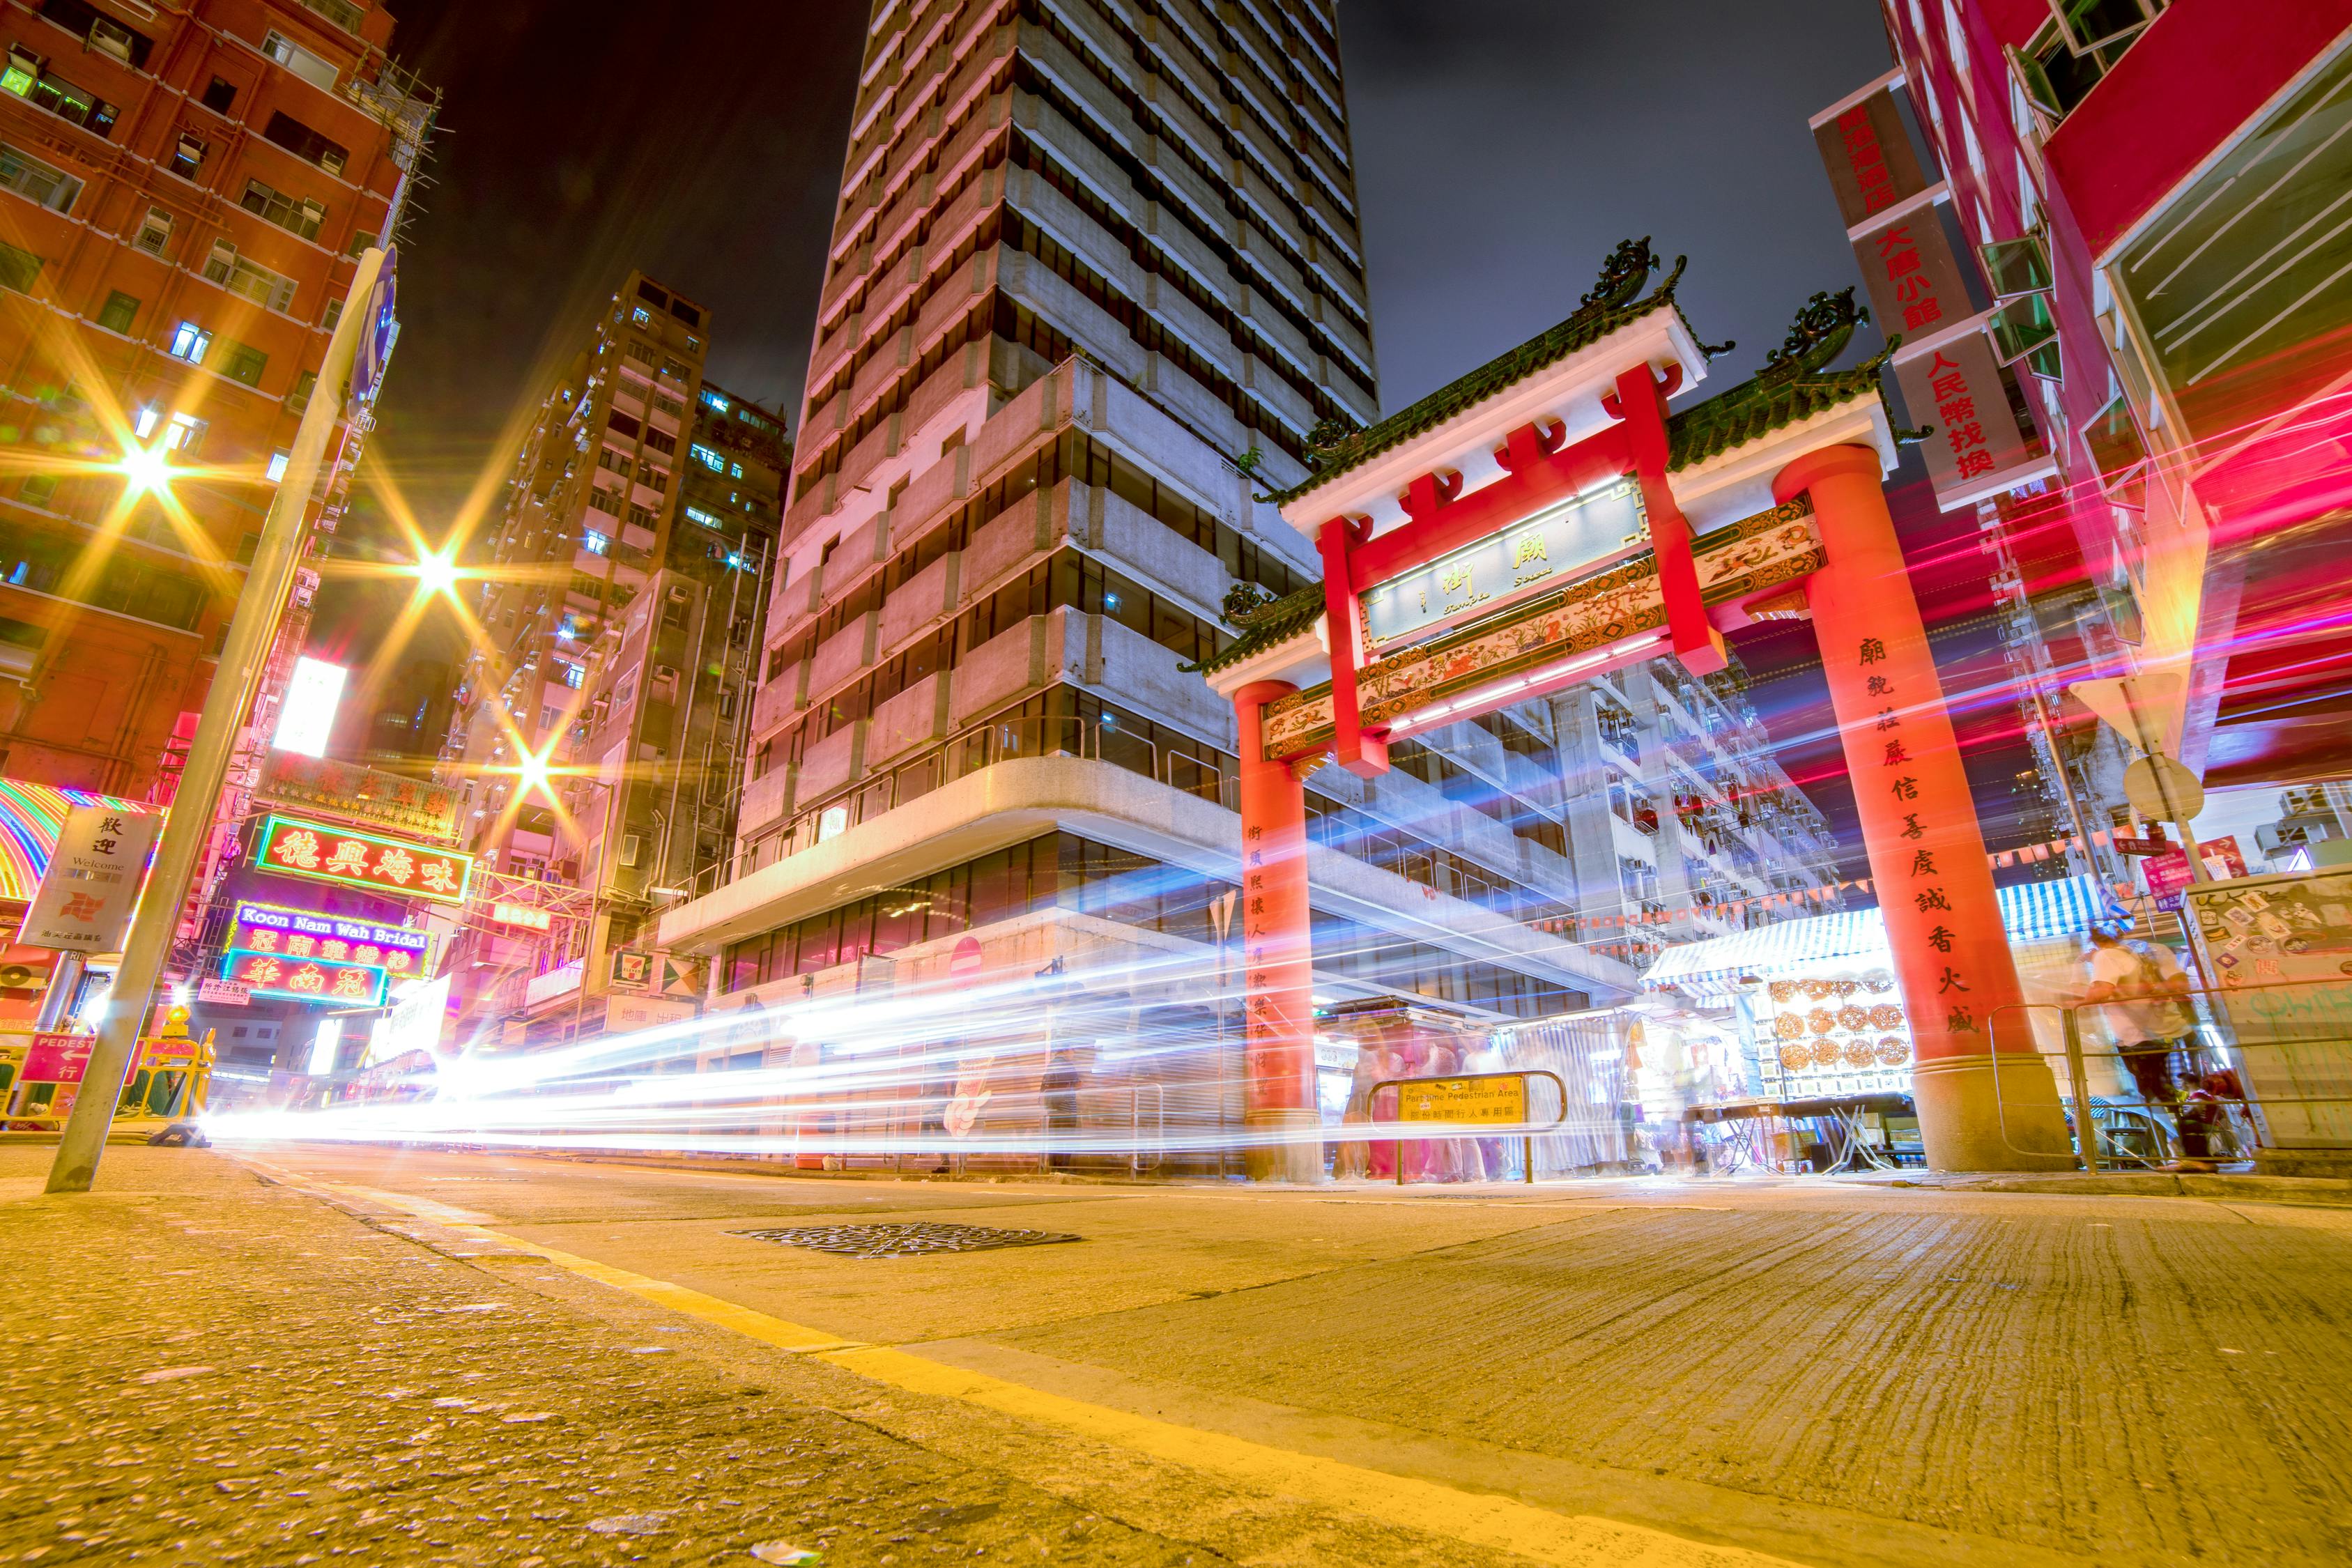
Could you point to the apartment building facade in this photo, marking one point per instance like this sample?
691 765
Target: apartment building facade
1096 288
183 196
622 597
2150 186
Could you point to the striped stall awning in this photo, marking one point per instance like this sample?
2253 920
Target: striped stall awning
31 817
2031 912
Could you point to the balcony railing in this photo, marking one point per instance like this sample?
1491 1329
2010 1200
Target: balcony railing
1193 769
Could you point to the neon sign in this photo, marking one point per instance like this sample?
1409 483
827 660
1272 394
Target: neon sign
354 859
308 933
318 980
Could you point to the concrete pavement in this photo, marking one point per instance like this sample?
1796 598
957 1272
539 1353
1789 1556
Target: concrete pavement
1666 1372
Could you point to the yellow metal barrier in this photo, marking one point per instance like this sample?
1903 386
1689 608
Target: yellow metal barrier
41 1076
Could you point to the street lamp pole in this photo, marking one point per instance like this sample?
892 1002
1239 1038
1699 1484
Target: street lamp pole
259 608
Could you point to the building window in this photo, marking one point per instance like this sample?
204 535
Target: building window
709 459
341 13
144 420
594 542
188 157
155 233
17 268
102 33
189 343
121 309
316 69
305 144
244 363
360 242
707 520
641 317
277 466
714 400
219 95
239 275
186 433
331 314
38 181
38 489
299 398
62 98
297 215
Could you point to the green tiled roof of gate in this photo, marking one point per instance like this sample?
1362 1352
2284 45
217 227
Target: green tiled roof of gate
1756 408
1586 327
1278 622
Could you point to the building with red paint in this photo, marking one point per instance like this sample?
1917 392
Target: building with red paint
2153 191
183 193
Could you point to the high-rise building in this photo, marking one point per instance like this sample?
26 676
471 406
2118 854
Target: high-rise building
186 190
621 600
2151 188
1096 288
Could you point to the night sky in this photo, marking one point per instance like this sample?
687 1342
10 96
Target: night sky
1502 148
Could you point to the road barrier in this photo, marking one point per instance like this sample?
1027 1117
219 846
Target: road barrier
2260 1071
1472 1102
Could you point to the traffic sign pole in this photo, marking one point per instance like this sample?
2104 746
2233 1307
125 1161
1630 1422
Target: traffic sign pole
251 631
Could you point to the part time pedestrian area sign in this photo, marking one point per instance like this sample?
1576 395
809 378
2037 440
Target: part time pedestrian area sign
298 848
320 980
1542 552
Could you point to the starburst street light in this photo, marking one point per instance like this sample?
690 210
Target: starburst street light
436 571
146 469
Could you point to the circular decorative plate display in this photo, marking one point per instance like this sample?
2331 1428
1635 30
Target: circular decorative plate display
1842 989
1821 1019
1860 1053
1817 989
1853 1017
1783 990
1789 1026
1893 1052
1796 1057
1887 1015
1879 980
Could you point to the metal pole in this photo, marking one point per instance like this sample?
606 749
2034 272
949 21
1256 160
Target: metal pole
2086 1132
65 979
251 630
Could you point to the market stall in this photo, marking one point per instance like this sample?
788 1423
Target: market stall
1816 1005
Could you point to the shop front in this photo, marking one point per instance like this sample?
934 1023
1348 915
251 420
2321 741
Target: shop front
1813 1012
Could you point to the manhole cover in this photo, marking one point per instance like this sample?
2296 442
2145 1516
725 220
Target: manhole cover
904 1240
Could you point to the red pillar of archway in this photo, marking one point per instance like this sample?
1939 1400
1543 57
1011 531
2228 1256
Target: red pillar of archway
1919 826
1278 1109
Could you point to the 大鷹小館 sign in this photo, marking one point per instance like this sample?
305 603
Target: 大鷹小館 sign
359 795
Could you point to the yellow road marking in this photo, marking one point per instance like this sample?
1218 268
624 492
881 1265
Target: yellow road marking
1482 1518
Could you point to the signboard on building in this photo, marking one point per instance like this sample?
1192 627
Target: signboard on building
359 795
2168 874
305 714
622 1014
631 970
521 917
1502 568
224 993
413 1024
1867 152
324 853
316 980
309 933
85 897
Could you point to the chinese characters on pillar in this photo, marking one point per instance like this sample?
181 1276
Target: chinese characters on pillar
1924 884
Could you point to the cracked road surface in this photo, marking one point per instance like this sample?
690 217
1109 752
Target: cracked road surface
310 1353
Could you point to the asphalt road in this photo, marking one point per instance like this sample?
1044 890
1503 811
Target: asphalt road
1640 1372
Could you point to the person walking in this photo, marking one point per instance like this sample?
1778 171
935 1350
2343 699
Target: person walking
2141 985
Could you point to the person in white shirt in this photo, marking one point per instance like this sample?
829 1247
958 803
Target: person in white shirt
2141 984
